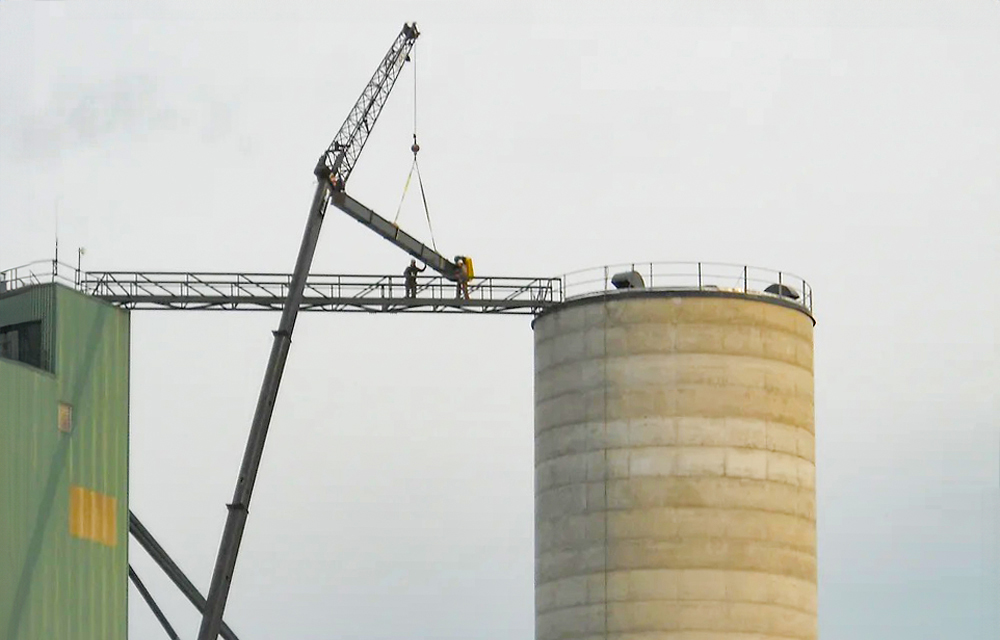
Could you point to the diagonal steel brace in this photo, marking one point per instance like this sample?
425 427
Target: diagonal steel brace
156 552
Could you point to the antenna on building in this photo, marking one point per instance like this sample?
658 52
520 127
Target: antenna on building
55 261
79 265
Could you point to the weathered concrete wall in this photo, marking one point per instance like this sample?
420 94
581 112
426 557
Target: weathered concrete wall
674 470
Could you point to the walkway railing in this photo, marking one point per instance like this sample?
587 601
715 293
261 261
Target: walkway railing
700 276
380 293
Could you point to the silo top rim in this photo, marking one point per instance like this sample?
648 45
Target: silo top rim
675 279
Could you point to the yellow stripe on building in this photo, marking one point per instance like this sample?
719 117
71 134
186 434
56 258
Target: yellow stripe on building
93 516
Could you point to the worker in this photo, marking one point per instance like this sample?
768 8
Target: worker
461 278
410 276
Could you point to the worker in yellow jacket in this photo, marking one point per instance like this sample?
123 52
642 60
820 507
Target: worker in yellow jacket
462 278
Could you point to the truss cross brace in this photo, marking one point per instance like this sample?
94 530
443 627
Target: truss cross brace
160 556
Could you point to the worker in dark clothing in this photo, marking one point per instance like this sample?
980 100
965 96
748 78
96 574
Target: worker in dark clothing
410 276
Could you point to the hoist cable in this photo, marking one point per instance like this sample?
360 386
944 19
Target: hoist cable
423 196
415 166
413 58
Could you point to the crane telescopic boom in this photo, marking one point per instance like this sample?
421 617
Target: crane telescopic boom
332 171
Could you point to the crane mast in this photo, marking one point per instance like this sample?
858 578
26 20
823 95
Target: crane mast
332 171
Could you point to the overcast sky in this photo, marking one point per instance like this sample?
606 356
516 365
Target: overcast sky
856 143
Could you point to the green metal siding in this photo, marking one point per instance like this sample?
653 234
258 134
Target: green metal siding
54 585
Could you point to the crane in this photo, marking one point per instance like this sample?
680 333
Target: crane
337 163
332 172
290 294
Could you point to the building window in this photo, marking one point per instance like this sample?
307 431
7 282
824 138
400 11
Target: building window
65 417
22 342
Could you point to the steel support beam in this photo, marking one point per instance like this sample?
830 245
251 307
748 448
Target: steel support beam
395 235
148 597
160 556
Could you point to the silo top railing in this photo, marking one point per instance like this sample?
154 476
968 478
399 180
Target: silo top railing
697 276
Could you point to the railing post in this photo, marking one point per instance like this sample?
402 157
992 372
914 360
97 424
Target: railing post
699 276
745 289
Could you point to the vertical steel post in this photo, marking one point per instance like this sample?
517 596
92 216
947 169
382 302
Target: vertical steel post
236 520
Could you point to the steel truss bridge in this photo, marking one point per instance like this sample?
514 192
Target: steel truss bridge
230 291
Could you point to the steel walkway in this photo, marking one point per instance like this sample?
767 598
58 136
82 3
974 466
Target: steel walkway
226 291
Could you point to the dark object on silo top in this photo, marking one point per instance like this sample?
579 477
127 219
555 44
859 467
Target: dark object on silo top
628 280
782 290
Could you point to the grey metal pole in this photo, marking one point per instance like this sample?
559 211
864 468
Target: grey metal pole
148 597
163 559
232 535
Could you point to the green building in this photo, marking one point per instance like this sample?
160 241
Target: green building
64 386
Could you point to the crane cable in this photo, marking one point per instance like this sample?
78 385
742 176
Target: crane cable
415 166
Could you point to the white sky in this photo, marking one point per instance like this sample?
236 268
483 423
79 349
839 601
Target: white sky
856 143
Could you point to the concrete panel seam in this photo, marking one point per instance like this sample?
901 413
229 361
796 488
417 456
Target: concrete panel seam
576 423
809 426
570 363
732 510
809 552
768 543
742 483
678 600
556 487
565 456
604 338
684 634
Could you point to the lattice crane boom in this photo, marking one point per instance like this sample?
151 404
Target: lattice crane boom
347 145
337 162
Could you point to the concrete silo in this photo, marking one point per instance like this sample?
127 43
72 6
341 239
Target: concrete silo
674 463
